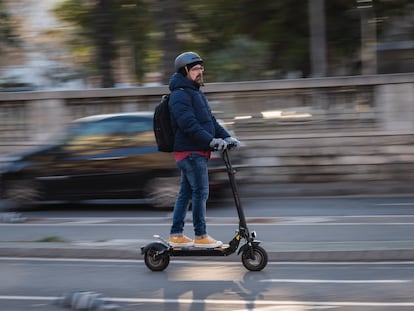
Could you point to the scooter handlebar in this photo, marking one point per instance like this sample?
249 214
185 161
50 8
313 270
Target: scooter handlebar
228 147
231 146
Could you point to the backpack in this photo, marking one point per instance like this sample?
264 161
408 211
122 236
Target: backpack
164 134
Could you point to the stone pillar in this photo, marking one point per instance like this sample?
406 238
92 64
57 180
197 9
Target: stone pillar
395 103
46 118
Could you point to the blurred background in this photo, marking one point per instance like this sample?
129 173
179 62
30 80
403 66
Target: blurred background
318 91
55 44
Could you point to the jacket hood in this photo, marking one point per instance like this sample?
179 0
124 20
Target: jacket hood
179 81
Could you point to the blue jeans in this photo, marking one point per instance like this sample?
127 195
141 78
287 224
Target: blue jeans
194 188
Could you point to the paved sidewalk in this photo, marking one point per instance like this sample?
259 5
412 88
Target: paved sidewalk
131 249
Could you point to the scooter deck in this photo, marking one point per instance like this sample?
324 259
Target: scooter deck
191 248
198 251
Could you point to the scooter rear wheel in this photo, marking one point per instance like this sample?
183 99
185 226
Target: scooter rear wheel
259 260
155 261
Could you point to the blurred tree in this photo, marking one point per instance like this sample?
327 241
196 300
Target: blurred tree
101 28
251 40
387 8
134 31
169 11
7 28
282 26
277 25
239 60
317 30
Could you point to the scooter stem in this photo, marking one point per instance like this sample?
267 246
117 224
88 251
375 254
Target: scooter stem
231 173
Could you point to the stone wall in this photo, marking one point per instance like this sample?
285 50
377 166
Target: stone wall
350 129
325 158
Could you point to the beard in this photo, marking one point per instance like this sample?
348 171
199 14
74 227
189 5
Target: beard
199 80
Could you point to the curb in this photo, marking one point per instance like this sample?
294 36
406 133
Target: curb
135 254
283 190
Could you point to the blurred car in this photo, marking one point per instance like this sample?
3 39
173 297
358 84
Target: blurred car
100 159
17 87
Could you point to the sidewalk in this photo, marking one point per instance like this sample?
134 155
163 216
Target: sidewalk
131 249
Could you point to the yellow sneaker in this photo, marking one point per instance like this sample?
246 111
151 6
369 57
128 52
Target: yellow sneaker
180 241
207 242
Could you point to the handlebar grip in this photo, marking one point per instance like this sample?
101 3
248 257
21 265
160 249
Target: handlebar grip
228 146
231 145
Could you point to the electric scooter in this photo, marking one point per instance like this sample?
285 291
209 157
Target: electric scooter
253 256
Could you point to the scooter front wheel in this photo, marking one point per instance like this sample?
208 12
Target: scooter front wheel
156 261
256 262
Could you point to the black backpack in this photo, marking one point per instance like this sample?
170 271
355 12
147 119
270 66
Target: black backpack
164 134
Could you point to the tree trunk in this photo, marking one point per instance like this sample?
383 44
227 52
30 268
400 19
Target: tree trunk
169 17
317 37
104 42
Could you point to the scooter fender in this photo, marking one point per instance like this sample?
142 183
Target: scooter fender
157 245
245 246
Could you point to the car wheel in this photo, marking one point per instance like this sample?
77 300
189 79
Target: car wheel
22 193
162 191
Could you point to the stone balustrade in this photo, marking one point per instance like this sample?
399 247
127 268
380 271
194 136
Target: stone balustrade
358 128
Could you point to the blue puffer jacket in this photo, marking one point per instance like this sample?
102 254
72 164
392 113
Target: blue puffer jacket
191 117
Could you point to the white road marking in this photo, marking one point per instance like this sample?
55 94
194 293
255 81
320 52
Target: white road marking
224 221
232 302
287 308
210 262
319 281
304 223
396 204
71 259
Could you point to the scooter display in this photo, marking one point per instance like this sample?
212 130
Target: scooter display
253 256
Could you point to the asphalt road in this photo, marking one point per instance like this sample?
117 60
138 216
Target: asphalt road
195 284
367 219
29 284
253 206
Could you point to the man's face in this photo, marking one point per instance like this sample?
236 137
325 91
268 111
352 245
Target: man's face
196 74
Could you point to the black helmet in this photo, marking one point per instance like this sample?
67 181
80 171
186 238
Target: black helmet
185 59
